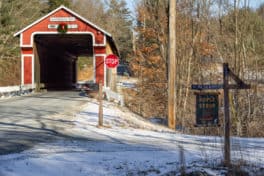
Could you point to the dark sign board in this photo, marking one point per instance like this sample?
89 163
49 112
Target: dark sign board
207 109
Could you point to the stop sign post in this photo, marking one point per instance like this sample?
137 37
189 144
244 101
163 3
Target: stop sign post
111 61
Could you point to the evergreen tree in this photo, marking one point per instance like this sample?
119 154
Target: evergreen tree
53 4
119 24
96 13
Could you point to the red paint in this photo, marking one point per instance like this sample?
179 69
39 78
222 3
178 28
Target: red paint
99 50
111 61
27 51
99 69
99 38
42 26
27 70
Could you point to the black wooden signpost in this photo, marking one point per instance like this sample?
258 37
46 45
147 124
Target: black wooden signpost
210 112
207 109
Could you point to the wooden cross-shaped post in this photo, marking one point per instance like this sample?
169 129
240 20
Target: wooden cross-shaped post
226 86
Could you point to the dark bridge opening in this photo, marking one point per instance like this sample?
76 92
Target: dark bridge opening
56 58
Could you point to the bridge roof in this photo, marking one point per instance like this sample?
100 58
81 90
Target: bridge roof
69 11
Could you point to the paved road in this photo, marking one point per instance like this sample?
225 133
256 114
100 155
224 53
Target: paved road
25 121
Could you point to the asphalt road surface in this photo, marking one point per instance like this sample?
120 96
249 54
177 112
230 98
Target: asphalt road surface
25 121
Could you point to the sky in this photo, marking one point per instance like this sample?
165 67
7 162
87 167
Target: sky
131 4
254 3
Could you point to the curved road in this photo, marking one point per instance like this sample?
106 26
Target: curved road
25 121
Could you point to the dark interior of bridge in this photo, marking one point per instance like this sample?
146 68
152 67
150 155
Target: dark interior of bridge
56 58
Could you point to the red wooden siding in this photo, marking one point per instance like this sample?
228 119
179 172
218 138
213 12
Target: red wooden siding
99 68
27 70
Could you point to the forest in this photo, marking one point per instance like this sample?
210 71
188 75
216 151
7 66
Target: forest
208 33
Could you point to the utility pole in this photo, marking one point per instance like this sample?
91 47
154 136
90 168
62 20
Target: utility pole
172 66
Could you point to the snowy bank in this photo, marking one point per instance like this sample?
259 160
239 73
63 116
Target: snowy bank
11 91
129 145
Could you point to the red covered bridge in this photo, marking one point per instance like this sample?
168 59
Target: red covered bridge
50 48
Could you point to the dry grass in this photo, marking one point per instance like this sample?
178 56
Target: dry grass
10 72
86 74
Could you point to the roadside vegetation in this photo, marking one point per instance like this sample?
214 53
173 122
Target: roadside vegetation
209 33
85 69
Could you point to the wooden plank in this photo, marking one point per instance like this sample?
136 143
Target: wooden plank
100 99
235 77
206 86
235 86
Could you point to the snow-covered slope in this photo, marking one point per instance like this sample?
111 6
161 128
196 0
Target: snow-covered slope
128 145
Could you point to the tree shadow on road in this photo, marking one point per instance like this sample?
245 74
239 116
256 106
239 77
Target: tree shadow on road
16 138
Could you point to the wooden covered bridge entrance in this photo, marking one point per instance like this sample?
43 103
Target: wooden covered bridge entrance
50 48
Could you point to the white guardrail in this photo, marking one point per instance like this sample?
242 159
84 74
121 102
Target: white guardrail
111 95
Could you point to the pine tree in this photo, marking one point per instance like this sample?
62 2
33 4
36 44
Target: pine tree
53 4
96 13
119 24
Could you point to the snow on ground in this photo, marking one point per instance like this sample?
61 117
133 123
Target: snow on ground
128 145
12 91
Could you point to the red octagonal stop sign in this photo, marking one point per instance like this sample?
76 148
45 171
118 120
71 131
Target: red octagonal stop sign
111 61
